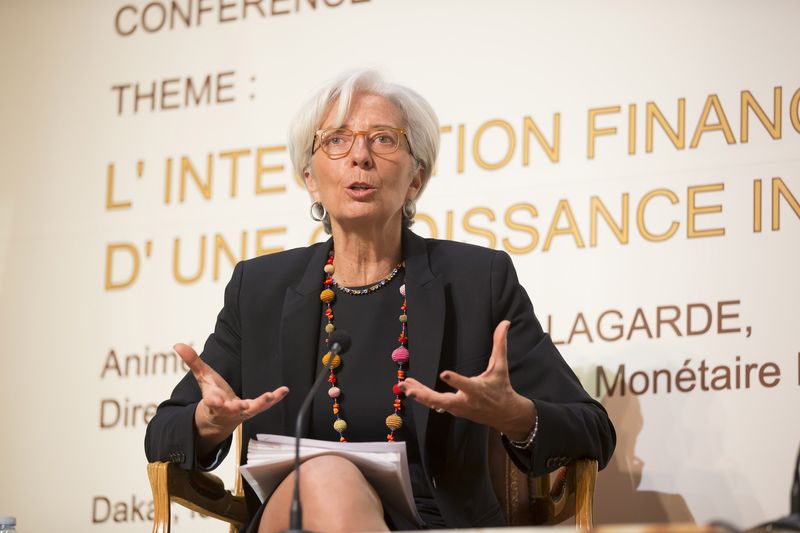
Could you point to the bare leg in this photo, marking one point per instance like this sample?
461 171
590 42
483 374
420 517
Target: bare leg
335 498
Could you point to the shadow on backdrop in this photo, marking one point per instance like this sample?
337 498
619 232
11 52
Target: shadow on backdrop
618 499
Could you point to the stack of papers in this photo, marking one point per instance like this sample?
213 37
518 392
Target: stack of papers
270 458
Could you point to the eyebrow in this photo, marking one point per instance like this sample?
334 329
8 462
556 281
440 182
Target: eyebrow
372 127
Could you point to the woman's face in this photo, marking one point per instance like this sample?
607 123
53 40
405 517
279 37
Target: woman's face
363 187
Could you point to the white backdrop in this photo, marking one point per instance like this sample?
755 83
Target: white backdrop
74 415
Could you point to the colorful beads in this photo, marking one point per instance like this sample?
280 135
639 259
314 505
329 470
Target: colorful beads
327 295
394 422
337 360
400 355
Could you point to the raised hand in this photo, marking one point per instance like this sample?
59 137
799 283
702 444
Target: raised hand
220 410
486 399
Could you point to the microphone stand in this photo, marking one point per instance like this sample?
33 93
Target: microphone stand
339 345
296 510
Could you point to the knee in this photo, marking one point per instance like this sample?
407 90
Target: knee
356 505
328 467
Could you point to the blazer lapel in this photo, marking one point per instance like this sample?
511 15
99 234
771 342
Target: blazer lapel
302 312
426 315
299 335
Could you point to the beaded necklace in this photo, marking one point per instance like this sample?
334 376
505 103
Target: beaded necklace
400 354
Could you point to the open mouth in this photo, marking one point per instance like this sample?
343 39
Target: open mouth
360 187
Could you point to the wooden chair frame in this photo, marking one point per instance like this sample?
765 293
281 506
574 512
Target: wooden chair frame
525 499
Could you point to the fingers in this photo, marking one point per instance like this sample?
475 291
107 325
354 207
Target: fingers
427 396
252 407
499 358
456 380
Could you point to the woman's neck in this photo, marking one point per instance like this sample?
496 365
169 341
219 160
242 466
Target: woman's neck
365 255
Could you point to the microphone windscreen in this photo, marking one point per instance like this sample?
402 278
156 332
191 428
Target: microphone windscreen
341 337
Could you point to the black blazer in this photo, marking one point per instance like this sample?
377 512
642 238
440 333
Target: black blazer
267 335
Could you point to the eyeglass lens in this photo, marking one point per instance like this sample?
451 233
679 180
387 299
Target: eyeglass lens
339 141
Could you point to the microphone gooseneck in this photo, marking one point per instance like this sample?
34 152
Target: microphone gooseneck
340 343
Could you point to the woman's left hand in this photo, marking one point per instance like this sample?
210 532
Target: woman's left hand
487 398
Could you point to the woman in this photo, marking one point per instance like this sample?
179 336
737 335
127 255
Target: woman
444 340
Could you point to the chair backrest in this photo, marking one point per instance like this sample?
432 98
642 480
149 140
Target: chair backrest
542 500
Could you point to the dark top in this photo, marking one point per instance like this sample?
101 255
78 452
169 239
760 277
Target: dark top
365 378
266 336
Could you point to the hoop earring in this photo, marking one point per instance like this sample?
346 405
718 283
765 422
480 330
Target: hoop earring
409 209
318 212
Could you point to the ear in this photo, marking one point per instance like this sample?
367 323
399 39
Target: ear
311 183
416 182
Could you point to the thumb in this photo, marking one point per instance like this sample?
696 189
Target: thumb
190 357
499 357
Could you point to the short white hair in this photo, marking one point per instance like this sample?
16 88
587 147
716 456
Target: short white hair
422 124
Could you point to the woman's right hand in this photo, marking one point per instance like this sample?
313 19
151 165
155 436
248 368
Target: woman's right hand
220 410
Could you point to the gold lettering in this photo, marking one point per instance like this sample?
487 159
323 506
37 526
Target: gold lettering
673 227
594 131
631 129
505 126
553 150
692 211
703 126
427 219
176 270
571 229
112 249
262 168
469 228
524 228
221 245
110 202
748 103
234 156
678 138
620 232
261 248
757 206
203 187
779 189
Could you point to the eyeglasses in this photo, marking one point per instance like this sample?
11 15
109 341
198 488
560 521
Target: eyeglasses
337 142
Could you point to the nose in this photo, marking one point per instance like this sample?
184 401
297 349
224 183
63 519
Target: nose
360 154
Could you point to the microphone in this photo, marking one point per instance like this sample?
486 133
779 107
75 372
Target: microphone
340 343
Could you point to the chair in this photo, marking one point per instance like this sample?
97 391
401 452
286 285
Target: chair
525 500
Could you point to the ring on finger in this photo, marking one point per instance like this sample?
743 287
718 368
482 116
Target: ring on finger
438 410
